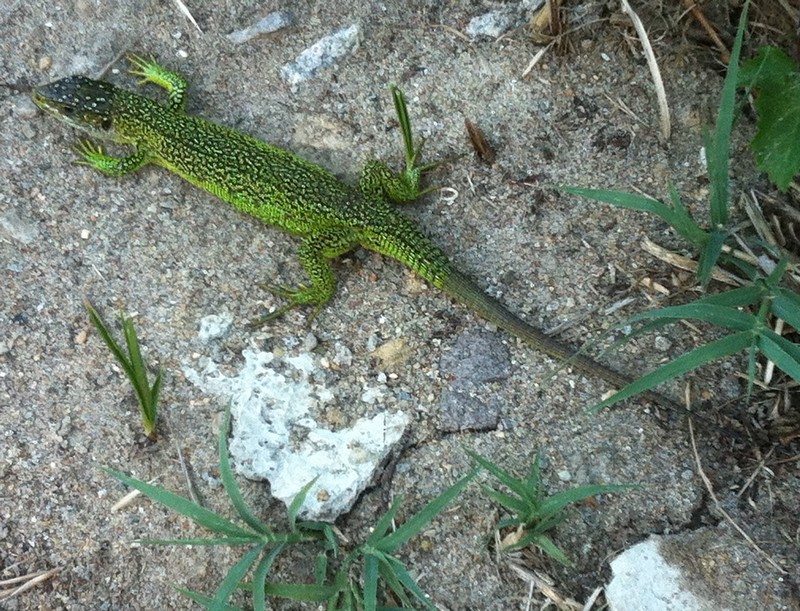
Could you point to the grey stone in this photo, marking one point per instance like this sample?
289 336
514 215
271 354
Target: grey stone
322 54
271 23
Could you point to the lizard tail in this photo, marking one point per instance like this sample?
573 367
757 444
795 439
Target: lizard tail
468 293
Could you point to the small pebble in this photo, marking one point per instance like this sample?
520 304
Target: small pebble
322 54
309 342
662 343
271 23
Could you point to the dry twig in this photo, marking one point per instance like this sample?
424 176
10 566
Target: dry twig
719 507
655 72
725 55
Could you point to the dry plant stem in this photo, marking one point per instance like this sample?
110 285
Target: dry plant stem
655 73
183 9
794 15
125 500
761 464
592 599
769 370
32 580
536 58
624 108
756 216
725 55
688 264
719 507
452 30
545 588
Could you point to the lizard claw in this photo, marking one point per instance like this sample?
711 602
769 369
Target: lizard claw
90 153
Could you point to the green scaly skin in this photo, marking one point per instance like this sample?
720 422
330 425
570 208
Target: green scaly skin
281 189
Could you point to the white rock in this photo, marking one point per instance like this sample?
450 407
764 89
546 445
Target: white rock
275 437
644 581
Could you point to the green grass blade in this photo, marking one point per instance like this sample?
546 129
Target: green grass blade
229 481
390 568
510 522
510 502
782 352
557 502
385 522
717 154
193 511
738 297
683 223
533 482
730 344
514 484
109 341
776 274
234 576
260 578
622 199
677 216
371 563
748 270
710 255
321 568
786 305
547 523
133 367
752 353
546 544
300 591
327 534
394 568
140 382
405 125
722 316
155 392
421 519
203 600
297 503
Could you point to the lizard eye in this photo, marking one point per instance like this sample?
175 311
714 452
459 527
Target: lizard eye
106 124
68 110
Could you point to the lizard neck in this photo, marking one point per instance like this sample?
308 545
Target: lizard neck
142 121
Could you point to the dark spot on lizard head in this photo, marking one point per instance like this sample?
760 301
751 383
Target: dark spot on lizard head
80 101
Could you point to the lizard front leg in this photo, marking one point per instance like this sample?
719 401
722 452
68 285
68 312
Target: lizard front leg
92 155
153 72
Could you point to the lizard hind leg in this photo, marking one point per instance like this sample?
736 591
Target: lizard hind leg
378 181
315 254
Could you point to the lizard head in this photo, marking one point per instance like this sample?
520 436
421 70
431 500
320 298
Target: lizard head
80 102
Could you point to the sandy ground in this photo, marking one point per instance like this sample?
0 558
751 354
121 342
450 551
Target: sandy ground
171 254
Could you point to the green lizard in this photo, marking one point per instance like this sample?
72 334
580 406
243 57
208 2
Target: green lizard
274 185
